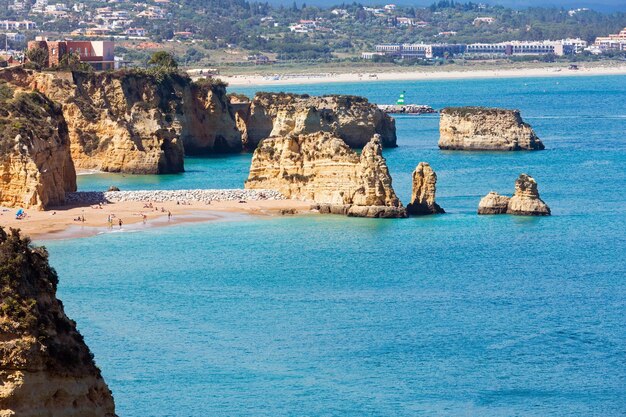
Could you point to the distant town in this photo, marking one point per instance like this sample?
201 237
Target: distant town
117 33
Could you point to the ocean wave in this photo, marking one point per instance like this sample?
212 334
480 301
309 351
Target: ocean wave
89 172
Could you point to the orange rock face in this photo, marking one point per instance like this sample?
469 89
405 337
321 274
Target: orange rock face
350 118
423 194
485 129
321 168
36 168
136 122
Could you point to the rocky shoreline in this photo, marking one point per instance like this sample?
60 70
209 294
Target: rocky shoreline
406 109
164 196
305 147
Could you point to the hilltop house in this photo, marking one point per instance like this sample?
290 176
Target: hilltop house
480 20
135 32
97 53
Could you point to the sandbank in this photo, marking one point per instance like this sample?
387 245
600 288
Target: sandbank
432 74
60 223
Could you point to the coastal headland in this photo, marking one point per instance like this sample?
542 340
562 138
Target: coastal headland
305 160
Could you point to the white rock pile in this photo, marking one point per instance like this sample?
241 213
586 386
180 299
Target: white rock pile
162 196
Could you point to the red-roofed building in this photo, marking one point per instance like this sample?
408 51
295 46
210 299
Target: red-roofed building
97 53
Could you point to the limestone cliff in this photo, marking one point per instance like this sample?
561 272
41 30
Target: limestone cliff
350 118
137 122
525 201
485 129
424 188
320 167
36 168
46 369
210 125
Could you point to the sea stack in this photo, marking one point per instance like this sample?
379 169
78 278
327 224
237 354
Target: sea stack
46 369
424 188
353 119
36 164
485 129
322 168
525 201
493 203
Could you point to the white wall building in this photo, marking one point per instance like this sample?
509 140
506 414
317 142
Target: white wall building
17 25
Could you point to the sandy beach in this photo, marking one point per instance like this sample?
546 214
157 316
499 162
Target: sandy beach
61 223
431 74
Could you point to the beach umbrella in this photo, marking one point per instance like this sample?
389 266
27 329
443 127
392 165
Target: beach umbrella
19 212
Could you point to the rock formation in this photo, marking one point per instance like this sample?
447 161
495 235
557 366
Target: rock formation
525 201
208 121
493 203
137 122
485 129
423 195
35 161
350 118
320 167
46 369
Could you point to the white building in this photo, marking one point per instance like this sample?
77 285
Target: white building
480 20
486 49
370 55
18 6
299 29
15 37
17 25
39 6
574 11
578 44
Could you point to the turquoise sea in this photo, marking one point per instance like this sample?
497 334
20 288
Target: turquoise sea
451 315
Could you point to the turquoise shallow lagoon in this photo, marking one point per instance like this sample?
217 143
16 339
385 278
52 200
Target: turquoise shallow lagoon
325 315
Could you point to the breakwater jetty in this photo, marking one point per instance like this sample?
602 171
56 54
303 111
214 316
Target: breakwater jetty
163 196
406 108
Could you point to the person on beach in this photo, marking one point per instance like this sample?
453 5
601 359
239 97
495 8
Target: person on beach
144 217
120 222
169 215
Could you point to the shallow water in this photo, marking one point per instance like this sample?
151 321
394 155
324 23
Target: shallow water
325 315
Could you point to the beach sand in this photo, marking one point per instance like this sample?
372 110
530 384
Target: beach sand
432 74
60 223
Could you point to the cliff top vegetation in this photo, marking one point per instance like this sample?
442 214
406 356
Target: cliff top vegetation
25 116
